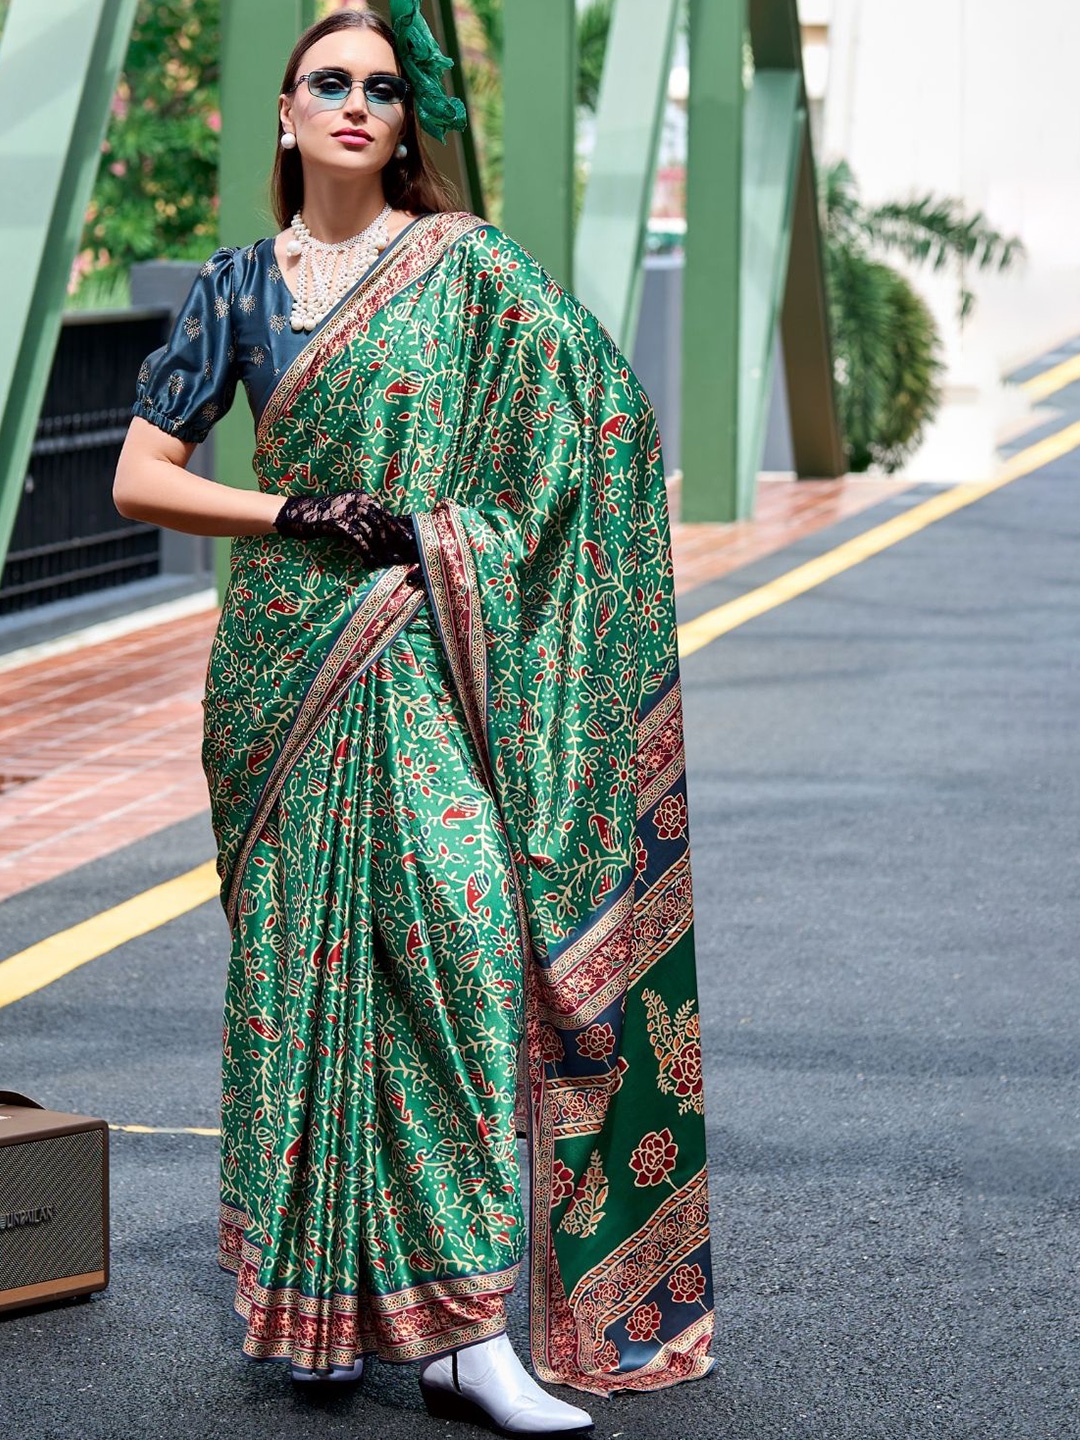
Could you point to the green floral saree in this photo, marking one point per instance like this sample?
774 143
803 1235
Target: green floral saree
451 809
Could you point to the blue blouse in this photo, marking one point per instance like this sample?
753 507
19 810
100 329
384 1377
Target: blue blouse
234 325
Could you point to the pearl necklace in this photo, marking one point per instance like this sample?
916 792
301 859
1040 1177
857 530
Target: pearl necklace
327 272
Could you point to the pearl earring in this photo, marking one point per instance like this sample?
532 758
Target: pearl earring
288 141
401 151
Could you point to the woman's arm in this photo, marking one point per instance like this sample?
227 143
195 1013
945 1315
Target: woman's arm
152 484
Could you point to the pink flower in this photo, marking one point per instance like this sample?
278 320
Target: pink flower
654 1157
644 1322
597 1042
687 1284
214 121
118 167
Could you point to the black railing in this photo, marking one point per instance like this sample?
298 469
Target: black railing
68 538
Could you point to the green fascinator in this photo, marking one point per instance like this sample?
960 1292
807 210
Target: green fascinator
423 63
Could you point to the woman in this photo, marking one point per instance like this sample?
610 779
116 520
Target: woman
443 741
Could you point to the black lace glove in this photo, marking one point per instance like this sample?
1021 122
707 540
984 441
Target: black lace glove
381 537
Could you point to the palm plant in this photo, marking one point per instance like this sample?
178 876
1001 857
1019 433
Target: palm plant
885 340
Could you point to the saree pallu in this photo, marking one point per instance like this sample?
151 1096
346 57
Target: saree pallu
453 835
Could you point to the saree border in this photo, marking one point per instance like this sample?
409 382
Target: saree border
386 608
454 590
314 1330
428 239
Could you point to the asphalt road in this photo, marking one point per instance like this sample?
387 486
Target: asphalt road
884 813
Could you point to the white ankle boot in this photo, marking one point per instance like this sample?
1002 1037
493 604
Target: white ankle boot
486 1382
337 1373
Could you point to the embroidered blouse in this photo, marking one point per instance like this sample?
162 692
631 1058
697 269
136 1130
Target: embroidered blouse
233 326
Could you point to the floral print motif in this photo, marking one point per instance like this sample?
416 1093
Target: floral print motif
670 817
597 1042
585 1211
654 1157
687 1284
677 1044
644 1322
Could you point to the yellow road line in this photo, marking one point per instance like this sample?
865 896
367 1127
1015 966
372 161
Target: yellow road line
48 960
696 633
164 1130
1052 380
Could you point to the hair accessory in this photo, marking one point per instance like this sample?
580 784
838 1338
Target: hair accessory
423 63
288 140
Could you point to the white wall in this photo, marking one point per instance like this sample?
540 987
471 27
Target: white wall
976 99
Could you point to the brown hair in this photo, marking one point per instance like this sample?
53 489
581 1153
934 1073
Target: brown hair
409 184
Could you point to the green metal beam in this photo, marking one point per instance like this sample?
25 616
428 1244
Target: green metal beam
458 162
773 140
539 104
610 242
256 39
753 253
816 438
711 277
50 145
775 37
815 427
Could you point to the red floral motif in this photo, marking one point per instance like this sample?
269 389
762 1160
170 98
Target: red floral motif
551 1046
641 856
654 1158
597 1042
607 1357
686 1069
687 1284
644 1322
562 1182
670 818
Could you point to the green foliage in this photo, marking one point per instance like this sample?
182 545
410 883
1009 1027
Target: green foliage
886 343
594 24
156 190
102 290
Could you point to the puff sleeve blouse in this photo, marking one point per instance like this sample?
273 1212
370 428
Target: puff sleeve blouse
232 328
190 382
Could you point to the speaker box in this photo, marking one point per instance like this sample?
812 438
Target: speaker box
54 1203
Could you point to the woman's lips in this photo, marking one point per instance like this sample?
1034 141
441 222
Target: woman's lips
354 142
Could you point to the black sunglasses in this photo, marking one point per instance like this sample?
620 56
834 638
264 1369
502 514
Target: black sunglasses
337 85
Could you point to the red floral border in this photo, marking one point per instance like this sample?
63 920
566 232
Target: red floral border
316 1332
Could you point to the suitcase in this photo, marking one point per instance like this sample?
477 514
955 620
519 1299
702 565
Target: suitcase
54 1203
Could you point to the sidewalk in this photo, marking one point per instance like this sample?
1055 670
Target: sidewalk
100 747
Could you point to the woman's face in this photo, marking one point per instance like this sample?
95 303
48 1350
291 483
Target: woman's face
330 134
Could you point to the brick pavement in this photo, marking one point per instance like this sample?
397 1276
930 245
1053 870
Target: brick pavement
99 747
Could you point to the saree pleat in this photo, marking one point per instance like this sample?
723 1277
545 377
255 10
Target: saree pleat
453 832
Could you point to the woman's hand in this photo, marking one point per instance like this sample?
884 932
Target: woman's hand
381 537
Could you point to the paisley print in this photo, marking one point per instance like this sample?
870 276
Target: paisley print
453 837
